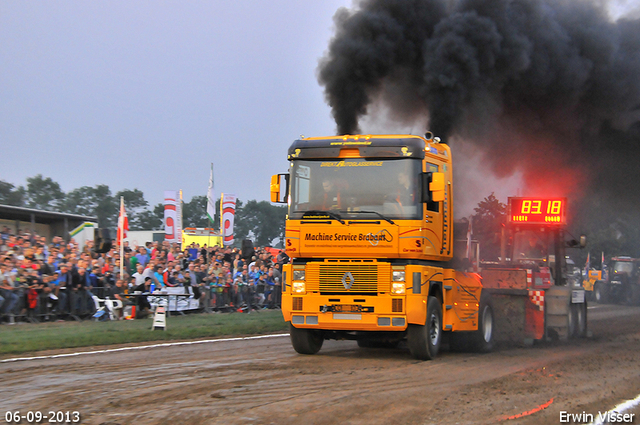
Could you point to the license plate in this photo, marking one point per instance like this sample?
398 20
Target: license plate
347 308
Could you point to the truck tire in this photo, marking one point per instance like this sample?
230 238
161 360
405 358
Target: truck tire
572 319
632 294
635 294
599 293
424 340
482 339
305 341
580 315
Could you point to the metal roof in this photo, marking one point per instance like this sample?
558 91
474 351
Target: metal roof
24 214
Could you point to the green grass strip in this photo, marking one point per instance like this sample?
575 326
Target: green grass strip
27 337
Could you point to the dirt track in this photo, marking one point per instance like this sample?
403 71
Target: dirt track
265 381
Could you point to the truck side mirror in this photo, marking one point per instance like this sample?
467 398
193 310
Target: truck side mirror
278 195
432 187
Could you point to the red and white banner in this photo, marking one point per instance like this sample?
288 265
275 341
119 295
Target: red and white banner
228 207
123 223
172 217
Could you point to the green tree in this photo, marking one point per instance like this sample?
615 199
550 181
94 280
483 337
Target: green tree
261 220
194 213
152 219
136 207
81 201
93 201
489 217
106 207
11 195
44 194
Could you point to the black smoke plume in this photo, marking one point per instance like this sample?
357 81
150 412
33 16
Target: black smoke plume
547 87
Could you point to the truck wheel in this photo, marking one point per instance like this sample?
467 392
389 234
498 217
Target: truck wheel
599 293
424 340
572 326
580 315
482 339
631 294
635 295
305 341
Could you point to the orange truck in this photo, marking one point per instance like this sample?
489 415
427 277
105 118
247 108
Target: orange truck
370 235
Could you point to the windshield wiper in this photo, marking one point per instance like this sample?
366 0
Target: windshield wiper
374 212
332 215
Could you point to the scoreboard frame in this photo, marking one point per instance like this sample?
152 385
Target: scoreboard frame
539 211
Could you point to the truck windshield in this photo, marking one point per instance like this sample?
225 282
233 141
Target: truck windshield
529 245
357 188
623 267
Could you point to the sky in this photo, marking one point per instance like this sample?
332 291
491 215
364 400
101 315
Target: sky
147 94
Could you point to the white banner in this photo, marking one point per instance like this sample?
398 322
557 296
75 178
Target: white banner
172 231
228 207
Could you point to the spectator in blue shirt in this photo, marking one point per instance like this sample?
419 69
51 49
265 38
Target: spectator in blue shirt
142 256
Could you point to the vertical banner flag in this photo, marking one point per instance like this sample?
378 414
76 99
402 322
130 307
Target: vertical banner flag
469 233
123 226
171 217
179 218
588 263
228 207
211 200
123 223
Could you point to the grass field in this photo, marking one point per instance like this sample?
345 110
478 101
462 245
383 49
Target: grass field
29 338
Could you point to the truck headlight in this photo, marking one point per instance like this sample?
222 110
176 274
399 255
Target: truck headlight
398 276
298 274
299 287
398 288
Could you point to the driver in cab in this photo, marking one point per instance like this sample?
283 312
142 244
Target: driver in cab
403 198
535 248
331 196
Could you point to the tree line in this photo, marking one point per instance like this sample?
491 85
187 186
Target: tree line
259 220
609 228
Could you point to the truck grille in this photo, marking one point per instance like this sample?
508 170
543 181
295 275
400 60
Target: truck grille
364 276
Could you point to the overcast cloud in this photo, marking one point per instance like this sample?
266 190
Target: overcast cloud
147 94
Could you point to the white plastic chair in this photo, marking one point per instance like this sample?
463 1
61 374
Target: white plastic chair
111 305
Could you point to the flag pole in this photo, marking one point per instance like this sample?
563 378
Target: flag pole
121 231
209 193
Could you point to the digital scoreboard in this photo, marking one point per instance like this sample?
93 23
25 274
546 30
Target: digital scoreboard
537 210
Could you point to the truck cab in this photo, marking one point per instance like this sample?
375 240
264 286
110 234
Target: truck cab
624 282
369 233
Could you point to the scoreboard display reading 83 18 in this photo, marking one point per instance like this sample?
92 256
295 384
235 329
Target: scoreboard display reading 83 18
537 210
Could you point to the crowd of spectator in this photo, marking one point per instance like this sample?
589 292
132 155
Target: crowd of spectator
58 280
